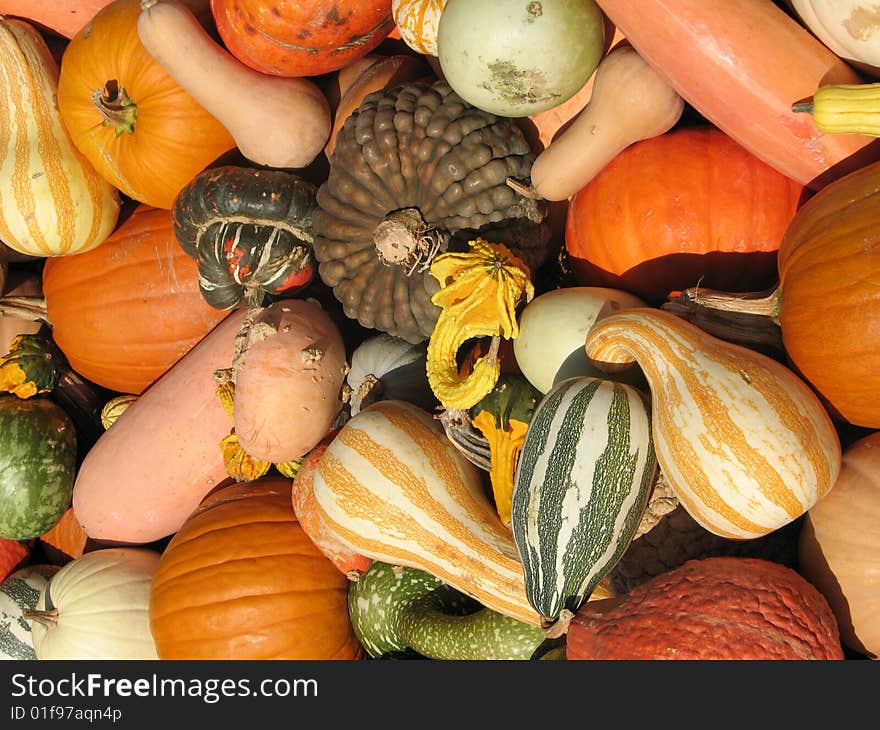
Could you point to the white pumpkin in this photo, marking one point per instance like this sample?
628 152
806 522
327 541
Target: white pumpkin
553 328
516 58
98 607
384 367
850 28
19 592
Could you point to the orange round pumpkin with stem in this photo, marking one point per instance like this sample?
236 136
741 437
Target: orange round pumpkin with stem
305 38
689 207
241 580
130 119
126 311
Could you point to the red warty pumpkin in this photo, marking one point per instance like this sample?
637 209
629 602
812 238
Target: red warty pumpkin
690 207
306 38
719 608
241 580
126 311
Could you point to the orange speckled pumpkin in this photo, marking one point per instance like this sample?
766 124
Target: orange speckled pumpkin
303 37
130 119
241 580
690 207
126 311
719 608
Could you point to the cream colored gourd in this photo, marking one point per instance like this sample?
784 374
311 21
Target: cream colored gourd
52 201
393 488
744 443
630 102
277 122
553 327
97 607
850 28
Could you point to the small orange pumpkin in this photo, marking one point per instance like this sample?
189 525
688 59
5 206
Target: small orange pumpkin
241 580
130 119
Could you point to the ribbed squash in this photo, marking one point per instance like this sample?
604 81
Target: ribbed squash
745 444
125 312
52 200
583 480
392 487
417 171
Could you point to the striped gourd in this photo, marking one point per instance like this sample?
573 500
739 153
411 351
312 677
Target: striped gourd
52 201
582 484
393 488
18 593
744 443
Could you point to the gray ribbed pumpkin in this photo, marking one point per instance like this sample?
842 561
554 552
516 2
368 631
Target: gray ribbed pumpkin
417 171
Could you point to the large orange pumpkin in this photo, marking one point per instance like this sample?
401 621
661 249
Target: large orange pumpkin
129 118
126 311
241 580
829 294
305 38
688 207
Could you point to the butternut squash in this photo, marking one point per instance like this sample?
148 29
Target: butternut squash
630 102
742 65
146 474
277 122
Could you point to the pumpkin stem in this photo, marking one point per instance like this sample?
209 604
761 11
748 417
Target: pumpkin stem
527 191
48 618
31 309
750 319
116 106
404 239
553 629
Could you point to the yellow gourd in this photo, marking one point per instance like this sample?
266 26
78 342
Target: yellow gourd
844 109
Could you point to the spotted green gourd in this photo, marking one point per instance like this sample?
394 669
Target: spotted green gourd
582 484
397 609
18 592
37 465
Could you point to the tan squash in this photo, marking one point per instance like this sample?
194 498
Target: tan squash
52 200
630 102
278 122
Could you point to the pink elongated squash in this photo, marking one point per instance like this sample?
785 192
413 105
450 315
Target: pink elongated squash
742 64
151 468
288 380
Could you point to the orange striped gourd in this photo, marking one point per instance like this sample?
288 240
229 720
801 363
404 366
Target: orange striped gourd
52 201
744 443
392 487
417 22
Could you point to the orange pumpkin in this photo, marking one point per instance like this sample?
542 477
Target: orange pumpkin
306 38
685 208
66 541
12 553
126 311
131 120
241 580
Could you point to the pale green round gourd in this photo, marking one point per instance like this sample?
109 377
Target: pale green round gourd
515 58
19 592
553 328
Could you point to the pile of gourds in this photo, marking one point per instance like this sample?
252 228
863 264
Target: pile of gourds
324 338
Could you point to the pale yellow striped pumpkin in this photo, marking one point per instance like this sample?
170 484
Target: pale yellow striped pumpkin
392 487
417 21
52 201
744 443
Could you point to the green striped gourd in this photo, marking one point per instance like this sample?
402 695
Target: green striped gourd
582 484
20 592
395 609
393 488
52 201
745 444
